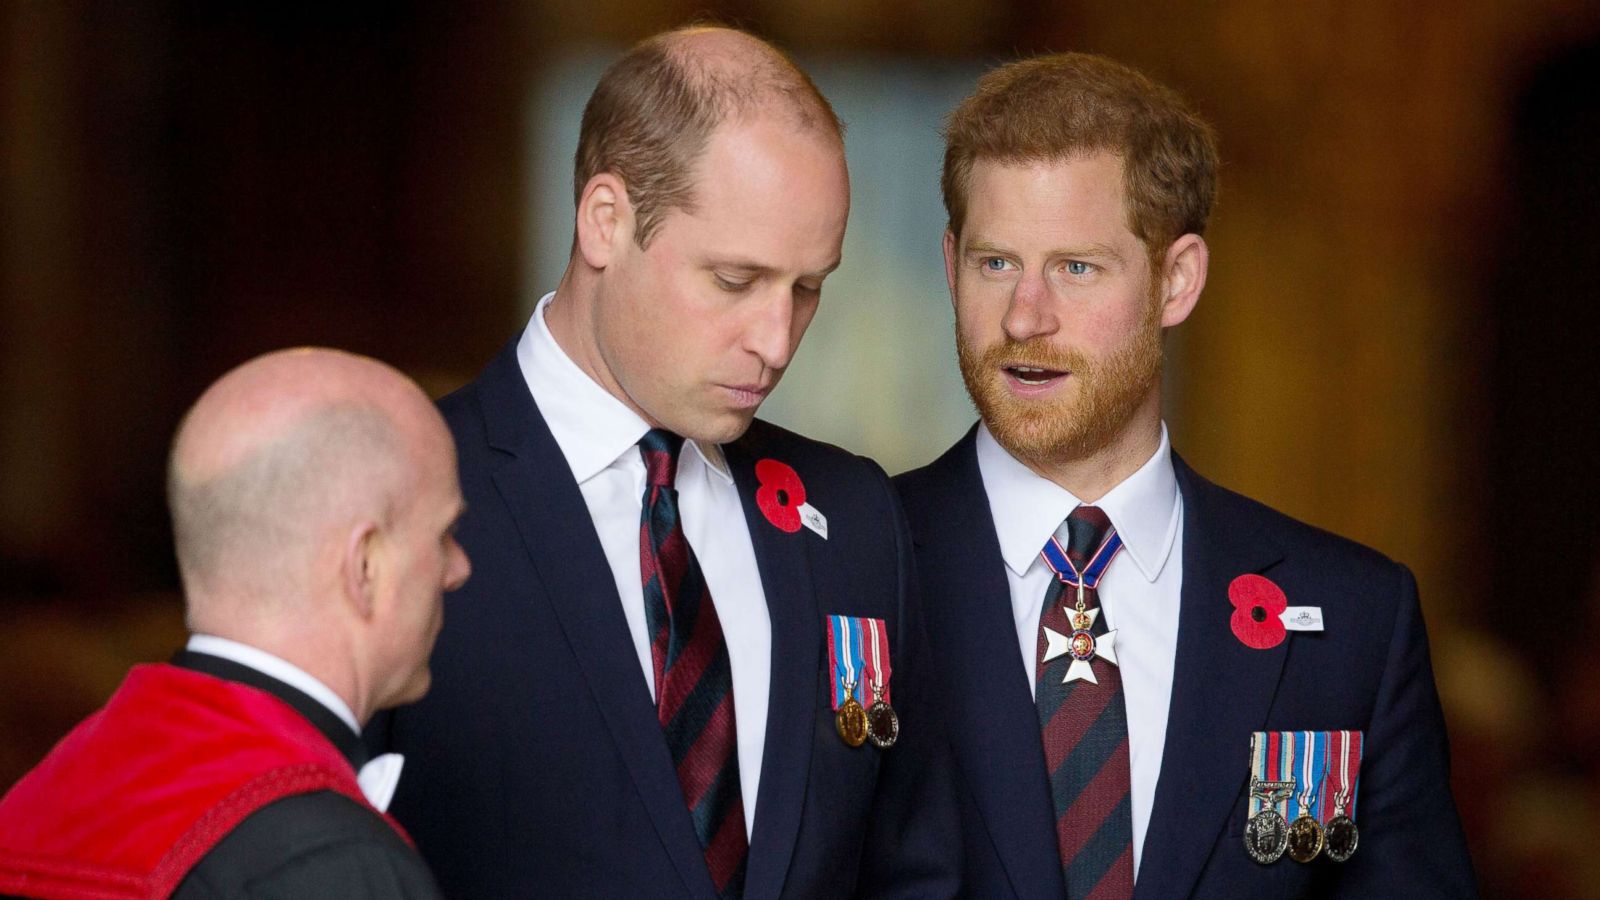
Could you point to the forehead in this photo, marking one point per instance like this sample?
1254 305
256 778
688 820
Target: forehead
770 190
1074 197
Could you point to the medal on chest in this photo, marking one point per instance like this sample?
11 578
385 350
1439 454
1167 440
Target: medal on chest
1082 644
858 655
1266 836
883 724
850 719
1305 832
1344 769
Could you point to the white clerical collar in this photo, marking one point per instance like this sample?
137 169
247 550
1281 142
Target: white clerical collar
279 668
1027 508
592 428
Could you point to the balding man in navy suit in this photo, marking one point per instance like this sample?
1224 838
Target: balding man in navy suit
635 695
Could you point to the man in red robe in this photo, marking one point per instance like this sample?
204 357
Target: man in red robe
314 499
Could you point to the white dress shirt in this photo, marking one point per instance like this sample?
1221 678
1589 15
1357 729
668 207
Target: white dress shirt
599 437
1139 593
379 777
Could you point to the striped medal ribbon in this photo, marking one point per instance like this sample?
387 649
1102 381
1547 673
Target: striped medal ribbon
846 658
1339 794
1305 832
1272 783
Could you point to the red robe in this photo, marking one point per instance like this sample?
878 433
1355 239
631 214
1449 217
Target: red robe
129 801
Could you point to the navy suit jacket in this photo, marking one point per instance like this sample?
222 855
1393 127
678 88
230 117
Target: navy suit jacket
1368 670
536 767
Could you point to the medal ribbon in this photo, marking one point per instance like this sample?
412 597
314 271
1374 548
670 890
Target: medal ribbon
1266 764
1312 748
844 657
1284 750
877 674
1055 556
1272 756
1344 768
1258 769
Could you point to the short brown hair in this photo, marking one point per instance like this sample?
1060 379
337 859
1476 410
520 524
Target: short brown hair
654 110
1070 104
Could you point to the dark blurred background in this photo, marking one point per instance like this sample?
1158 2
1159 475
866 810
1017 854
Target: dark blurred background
1396 342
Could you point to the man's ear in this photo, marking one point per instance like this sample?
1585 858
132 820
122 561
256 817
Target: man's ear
950 263
605 218
361 568
1183 277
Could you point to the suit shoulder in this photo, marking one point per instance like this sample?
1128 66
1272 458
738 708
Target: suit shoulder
916 481
460 406
454 401
315 840
1296 537
764 439
952 476
464 409
921 481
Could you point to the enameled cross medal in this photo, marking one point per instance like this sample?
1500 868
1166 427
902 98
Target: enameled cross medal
1082 645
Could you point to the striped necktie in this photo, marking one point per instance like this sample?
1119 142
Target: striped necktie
694 682
1083 718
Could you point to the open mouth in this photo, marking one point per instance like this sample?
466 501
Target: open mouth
1030 375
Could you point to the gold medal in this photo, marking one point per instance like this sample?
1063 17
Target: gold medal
1305 839
883 724
851 720
1305 833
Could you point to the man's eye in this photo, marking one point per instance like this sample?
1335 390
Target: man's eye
1075 267
994 264
729 284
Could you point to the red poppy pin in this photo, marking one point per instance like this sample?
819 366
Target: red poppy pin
1258 605
781 497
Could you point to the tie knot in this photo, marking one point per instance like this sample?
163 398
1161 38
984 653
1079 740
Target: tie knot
660 449
1086 531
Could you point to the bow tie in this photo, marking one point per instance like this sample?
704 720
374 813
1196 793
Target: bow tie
378 779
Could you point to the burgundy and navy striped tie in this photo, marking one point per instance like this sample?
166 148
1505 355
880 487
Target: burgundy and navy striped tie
1084 725
694 682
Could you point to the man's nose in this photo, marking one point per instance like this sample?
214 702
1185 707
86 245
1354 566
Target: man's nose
1031 312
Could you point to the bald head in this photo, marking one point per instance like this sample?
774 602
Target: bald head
274 460
653 112
744 76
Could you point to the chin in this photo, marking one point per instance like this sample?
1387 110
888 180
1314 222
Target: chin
415 689
720 429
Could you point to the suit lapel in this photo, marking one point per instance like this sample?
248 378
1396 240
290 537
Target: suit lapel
785 567
553 521
1221 691
996 730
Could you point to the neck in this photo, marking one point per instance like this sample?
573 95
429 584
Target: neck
1090 476
571 320
310 649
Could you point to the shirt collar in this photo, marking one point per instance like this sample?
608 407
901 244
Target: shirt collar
1028 508
593 428
279 668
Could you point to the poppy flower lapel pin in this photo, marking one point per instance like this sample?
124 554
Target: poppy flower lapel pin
1262 616
781 497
